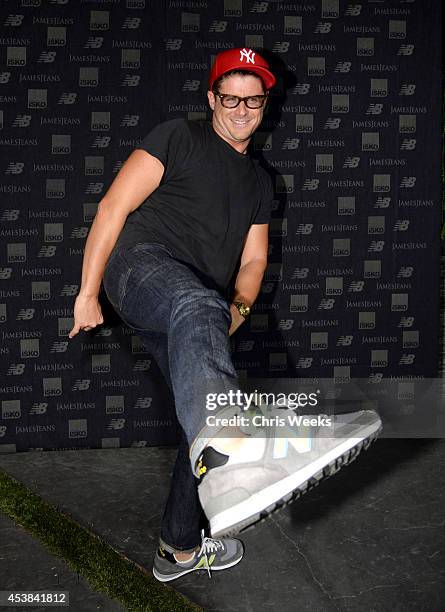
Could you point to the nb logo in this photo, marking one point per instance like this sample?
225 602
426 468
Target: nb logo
15 168
326 304
39 408
173 44
15 369
343 67
22 121
405 272
218 26
131 80
246 346
310 184
144 402
68 98
47 251
100 142
248 55
323 28
406 322
374 109
353 10
81 384
259 7
94 42
356 286
305 228
405 50
376 245
408 144
291 143
351 162
131 23
345 340
10 214
25 314
376 377
333 123
401 225
286 324
407 359
302 88
300 273
305 362
69 290
47 57
408 181
191 85
281 47
116 424
94 188
14 20
407 89
130 120
79 232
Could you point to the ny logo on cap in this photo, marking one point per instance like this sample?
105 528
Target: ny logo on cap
248 54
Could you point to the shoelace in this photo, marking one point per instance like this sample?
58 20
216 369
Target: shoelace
209 545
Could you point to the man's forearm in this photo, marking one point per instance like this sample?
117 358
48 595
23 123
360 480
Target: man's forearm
248 282
247 287
102 237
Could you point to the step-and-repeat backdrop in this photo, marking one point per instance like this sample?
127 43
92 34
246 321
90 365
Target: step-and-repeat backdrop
352 140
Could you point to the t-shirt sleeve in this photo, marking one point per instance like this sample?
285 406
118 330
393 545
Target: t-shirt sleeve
171 143
265 209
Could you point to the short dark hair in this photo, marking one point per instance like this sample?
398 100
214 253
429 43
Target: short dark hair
223 77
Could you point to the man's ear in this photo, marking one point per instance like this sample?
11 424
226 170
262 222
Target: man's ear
211 99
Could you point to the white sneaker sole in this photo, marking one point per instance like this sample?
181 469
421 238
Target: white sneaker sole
237 518
169 577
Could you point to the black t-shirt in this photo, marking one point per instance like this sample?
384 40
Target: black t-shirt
209 196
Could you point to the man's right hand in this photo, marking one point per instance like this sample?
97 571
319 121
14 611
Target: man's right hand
87 314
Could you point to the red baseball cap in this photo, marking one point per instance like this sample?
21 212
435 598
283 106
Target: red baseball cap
241 59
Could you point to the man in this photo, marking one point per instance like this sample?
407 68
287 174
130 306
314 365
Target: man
196 210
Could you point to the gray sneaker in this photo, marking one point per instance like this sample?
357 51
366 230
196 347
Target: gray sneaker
213 555
242 488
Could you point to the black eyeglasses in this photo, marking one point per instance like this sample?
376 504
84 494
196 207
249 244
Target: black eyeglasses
229 101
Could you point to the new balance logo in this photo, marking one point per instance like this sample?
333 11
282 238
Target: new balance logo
22 121
305 362
406 322
10 214
144 402
15 168
142 365
300 273
405 272
356 286
173 44
407 359
218 26
345 341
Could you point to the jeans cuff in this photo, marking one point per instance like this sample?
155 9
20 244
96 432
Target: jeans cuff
174 549
207 434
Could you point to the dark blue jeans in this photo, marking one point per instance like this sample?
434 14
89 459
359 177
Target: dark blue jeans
184 324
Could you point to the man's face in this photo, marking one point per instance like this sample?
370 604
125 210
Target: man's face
236 125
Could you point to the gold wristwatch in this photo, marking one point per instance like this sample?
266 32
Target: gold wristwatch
243 309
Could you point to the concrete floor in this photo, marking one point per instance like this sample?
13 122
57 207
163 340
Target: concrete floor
371 538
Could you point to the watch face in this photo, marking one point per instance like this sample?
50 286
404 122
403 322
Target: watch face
244 310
